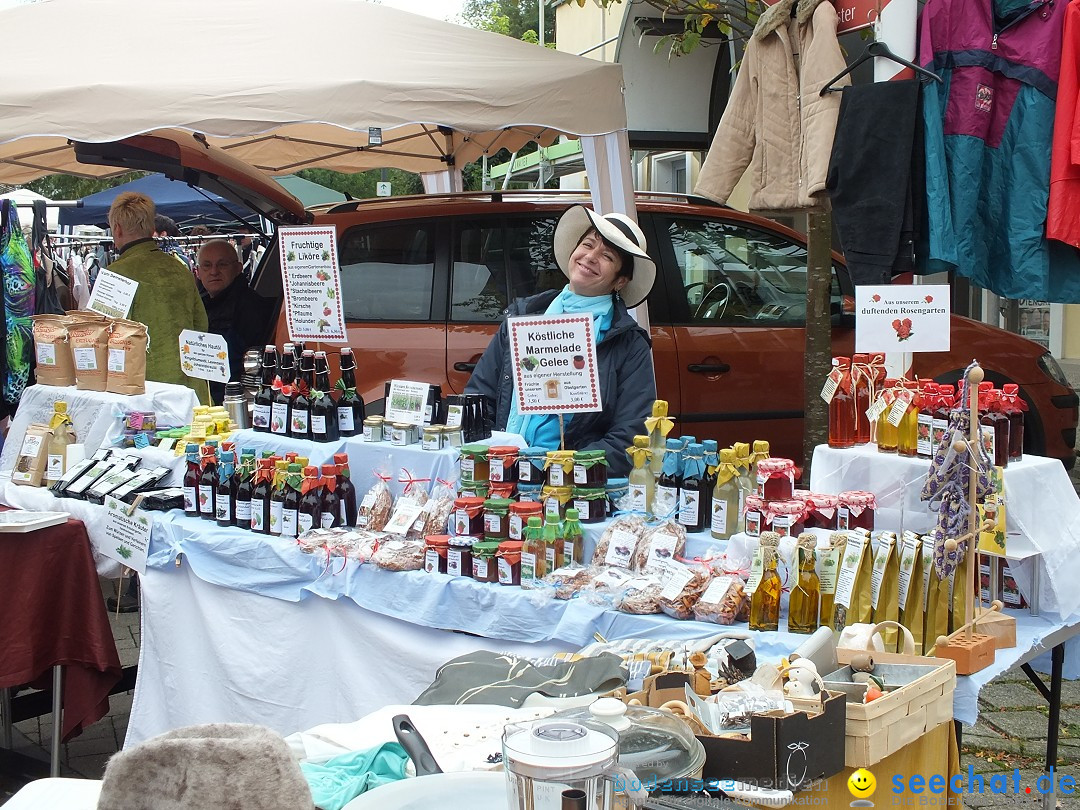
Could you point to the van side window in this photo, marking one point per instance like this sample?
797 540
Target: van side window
734 275
387 272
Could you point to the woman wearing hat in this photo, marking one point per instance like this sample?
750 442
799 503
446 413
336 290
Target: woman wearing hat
605 260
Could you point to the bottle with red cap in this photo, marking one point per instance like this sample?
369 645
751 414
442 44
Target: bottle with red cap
995 425
309 509
1014 406
928 397
861 380
842 407
330 505
346 490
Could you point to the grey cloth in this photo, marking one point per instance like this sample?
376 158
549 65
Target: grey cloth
225 766
506 680
627 384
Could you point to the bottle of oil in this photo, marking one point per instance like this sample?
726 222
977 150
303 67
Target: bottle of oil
761 451
553 542
842 408
907 435
765 600
805 600
744 468
533 554
573 539
829 572
642 482
726 500
887 433
658 426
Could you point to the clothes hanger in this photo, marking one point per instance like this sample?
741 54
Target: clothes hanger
874 49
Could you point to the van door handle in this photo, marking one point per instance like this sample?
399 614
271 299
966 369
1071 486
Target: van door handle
464 366
709 368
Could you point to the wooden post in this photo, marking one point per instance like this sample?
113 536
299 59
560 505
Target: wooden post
562 433
975 376
818 346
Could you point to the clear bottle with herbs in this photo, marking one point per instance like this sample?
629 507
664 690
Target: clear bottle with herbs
264 399
226 490
330 505
350 405
726 498
765 599
805 600
533 554
324 415
642 481
290 501
573 539
346 490
693 491
309 509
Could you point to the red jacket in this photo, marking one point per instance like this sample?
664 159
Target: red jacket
1063 212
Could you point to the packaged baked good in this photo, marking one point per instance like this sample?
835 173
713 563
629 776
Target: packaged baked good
682 588
619 540
438 508
375 508
606 585
398 554
640 595
660 543
568 581
722 601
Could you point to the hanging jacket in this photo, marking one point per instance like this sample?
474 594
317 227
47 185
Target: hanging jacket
18 275
776 121
1063 214
988 137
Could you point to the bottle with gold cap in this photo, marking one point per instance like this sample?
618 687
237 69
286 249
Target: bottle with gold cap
747 486
726 499
642 482
659 426
62 435
761 451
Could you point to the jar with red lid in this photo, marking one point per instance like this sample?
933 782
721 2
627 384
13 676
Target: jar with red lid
519 516
753 515
509 562
820 509
502 464
436 547
856 510
502 489
775 479
469 516
786 517
459 556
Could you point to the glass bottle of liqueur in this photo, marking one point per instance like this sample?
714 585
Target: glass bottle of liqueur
260 495
279 407
264 399
726 498
324 415
350 405
761 451
245 484
330 504
842 407
942 409
907 433
552 536
226 490
300 404
533 554
642 482
346 490
277 496
658 426
997 421
309 510
666 498
290 501
1014 408
693 492
191 481
744 468
805 600
928 402
888 434
712 463
861 384
765 600
208 481
62 436
573 539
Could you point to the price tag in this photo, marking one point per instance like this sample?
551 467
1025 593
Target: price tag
899 408
832 382
127 536
717 589
405 514
874 412
881 561
757 567
909 548
674 579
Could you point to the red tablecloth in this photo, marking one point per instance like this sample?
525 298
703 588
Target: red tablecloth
52 612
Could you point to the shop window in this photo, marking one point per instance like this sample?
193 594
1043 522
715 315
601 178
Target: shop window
733 275
387 272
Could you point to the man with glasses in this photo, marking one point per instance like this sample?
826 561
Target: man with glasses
235 311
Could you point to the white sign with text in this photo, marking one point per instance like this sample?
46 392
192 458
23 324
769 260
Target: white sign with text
127 537
902 318
112 294
312 281
554 362
204 356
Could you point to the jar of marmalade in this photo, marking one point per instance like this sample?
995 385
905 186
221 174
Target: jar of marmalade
617 489
530 465
775 478
590 469
502 464
502 489
474 489
820 509
509 562
436 547
555 500
496 518
786 517
753 517
468 516
484 565
856 510
459 556
520 513
529 492
560 467
591 504
474 462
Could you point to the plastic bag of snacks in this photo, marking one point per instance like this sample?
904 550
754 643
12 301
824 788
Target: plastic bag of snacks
438 508
607 583
376 507
568 581
408 516
354 544
398 554
661 543
619 540
641 595
683 587
724 601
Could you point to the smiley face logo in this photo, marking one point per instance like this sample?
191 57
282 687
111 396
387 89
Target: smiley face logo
862 785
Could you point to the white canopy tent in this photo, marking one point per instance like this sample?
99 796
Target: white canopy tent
24 198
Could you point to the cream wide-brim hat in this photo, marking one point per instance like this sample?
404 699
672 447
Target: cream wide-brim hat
618 229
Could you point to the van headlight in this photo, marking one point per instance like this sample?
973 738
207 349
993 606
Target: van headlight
1050 366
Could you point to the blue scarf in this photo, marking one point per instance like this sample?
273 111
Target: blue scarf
542 430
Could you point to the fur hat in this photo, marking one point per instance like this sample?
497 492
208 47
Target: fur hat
619 230
226 766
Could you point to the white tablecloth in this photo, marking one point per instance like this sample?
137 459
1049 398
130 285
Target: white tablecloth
1043 512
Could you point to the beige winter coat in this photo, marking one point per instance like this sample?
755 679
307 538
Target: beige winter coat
775 119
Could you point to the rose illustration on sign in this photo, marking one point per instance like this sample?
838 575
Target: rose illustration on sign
902 328
929 299
875 298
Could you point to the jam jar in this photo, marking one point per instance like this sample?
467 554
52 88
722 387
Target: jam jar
435 552
468 516
591 504
555 500
590 469
502 489
485 567
560 468
617 489
474 489
496 518
530 465
856 510
753 515
509 561
474 462
529 492
820 511
459 556
520 513
786 517
373 429
775 479
502 464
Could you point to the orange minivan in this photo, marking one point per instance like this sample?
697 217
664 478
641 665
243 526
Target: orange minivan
426 278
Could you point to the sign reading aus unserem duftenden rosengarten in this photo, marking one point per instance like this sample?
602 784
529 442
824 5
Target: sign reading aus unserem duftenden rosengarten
902 318
312 281
554 362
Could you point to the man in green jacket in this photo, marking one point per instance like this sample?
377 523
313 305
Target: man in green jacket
167 300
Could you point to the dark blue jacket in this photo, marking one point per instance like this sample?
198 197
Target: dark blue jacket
627 384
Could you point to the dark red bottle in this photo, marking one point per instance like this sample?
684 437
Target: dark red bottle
998 421
208 483
1014 406
346 490
191 481
309 510
330 515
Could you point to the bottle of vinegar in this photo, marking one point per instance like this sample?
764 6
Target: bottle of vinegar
765 600
805 600
666 499
693 492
